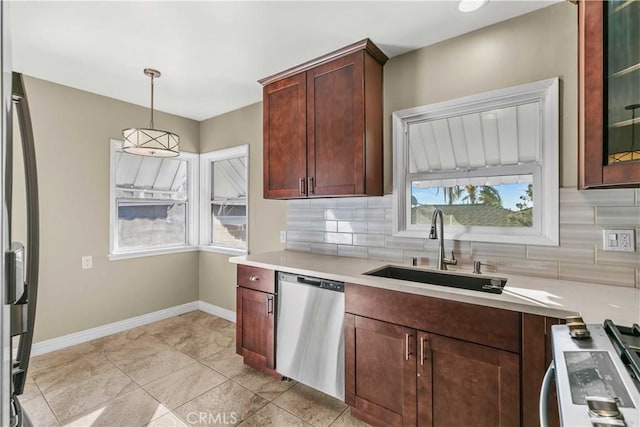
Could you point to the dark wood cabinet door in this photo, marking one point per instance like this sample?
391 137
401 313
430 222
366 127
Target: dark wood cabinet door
335 123
470 385
594 168
255 328
284 137
380 382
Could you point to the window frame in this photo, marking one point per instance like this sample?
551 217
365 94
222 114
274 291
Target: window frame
191 211
546 187
205 197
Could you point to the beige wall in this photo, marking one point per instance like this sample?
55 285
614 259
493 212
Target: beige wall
266 217
531 47
72 130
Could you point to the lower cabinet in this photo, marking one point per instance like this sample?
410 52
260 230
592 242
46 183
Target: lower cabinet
256 326
404 377
465 384
380 380
255 318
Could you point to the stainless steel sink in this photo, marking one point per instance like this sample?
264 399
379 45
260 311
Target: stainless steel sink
493 285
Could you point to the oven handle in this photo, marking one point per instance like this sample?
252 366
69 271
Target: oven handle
547 381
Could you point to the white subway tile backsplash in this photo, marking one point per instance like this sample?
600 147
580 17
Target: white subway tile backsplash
306 236
375 240
352 251
379 227
573 234
304 214
479 249
352 227
577 254
545 269
323 203
352 202
339 238
404 243
616 197
383 254
298 246
312 225
630 259
338 214
368 214
380 202
362 227
577 214
324 248
601 274
618 216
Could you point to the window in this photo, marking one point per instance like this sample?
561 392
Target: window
488 161
152 204
224 195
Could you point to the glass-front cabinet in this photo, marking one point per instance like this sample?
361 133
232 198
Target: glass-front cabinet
609 58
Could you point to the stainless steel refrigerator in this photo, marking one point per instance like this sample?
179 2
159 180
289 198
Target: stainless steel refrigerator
19 263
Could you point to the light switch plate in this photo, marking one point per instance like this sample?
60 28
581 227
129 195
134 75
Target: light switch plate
619 240
283 236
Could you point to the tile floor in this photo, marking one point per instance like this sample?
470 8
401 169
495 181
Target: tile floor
181 371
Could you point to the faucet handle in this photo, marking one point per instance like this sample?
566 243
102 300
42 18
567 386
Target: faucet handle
450 261
477 265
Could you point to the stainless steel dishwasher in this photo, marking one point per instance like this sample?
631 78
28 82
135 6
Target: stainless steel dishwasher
310 332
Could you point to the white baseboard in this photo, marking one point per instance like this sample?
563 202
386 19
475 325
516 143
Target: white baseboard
64 341
217 311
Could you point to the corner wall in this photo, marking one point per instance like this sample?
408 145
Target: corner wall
266 217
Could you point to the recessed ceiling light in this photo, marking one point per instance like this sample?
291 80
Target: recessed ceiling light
470 5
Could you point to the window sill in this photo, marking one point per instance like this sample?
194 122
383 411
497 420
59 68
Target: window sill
223 250
152 252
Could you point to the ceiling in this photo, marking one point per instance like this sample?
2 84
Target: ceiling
211 53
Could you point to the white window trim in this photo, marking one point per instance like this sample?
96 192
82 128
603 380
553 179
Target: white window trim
192 212
205 196
546 213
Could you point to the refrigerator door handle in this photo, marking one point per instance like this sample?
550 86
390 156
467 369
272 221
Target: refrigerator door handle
33 229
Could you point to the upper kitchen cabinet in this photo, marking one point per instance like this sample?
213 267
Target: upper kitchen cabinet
322 126
609 79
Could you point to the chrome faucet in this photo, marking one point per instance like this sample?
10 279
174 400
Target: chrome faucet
433 234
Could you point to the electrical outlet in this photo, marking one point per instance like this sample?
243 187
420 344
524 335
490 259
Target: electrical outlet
87 262
619 240
283 236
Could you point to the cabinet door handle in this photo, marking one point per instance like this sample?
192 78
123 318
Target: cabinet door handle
424 354
406 346
269 304
302 185
311 185
254 278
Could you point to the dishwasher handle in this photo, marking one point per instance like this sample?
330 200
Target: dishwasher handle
308 281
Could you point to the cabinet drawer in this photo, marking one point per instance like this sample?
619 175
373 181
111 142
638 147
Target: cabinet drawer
488 326
256 278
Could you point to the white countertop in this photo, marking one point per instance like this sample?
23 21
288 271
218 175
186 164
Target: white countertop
548 297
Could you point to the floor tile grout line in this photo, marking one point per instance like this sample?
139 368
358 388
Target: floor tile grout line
47 403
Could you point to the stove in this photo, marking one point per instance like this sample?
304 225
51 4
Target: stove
597 374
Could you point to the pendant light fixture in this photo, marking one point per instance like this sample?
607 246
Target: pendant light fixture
150 142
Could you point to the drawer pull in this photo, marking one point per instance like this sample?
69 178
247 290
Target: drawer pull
254 278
